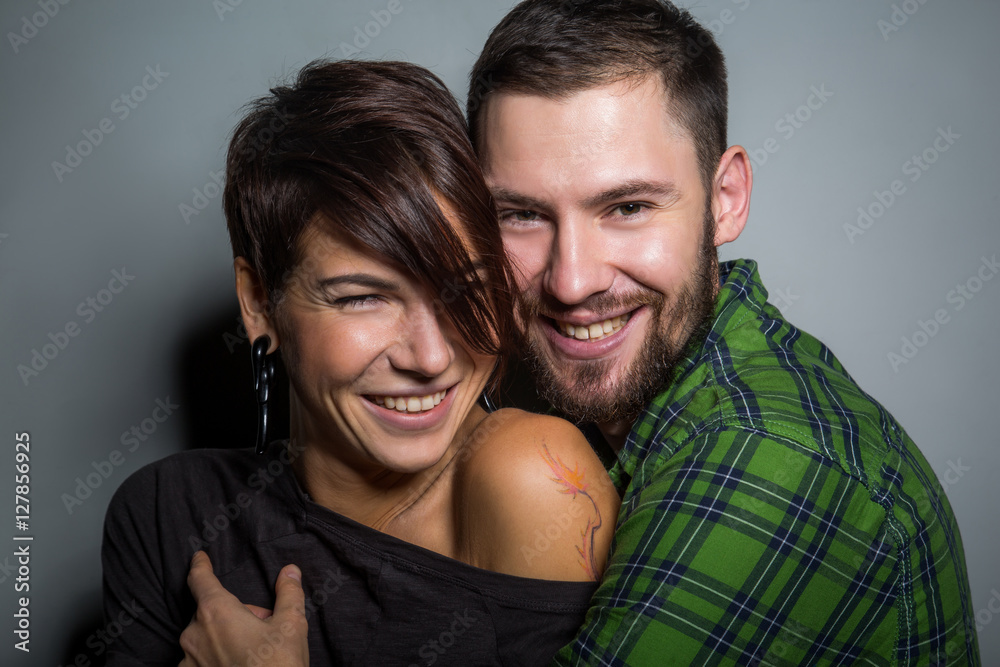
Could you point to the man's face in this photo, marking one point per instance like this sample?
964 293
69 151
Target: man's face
605 217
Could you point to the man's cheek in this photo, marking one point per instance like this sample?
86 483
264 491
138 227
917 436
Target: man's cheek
661 266
528 254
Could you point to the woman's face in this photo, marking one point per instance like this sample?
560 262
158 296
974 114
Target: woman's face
379 371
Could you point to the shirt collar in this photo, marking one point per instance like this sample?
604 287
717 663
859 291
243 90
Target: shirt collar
741 296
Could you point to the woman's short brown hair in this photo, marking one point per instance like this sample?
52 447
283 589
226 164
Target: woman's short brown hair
366 148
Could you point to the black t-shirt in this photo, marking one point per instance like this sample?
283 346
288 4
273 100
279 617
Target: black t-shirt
371 599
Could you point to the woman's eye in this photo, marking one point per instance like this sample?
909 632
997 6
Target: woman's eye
357 301
630 209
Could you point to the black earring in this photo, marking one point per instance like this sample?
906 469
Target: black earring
263 376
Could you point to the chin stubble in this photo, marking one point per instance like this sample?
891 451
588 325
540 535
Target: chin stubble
585 391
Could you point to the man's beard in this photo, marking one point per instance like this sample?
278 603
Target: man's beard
583 390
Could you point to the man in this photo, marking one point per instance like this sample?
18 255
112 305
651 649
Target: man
772 512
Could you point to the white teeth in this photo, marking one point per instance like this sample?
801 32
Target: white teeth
411 403
594 331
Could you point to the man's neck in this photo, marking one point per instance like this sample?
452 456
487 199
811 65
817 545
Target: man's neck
615 433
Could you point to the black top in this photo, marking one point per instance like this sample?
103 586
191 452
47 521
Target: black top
370 598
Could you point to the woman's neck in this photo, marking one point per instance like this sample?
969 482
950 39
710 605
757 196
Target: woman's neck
400 504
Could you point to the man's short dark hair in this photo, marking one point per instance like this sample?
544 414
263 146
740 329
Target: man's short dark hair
365 150
555 48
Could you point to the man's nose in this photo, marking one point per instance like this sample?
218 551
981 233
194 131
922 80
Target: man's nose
578 265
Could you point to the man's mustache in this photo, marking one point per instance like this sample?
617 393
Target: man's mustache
534 305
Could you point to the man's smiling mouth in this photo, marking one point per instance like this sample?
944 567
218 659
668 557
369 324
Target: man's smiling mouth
593 331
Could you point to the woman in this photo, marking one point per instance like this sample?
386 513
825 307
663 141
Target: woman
426 530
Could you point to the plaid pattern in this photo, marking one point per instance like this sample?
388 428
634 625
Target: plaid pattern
775 514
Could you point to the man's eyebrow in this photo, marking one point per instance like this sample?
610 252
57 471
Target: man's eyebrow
360 279
513 198
665 191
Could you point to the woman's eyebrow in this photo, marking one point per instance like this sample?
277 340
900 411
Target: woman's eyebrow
361 279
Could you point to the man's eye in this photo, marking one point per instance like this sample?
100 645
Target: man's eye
519 216
630 209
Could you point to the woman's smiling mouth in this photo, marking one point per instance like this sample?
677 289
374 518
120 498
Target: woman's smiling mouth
411 404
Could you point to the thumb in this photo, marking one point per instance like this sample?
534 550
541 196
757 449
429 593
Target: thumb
263 613
290 598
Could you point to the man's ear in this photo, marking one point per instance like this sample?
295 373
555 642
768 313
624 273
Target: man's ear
256 310
731 194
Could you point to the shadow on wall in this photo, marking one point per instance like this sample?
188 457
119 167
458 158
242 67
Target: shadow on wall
219 400
220 410
217 387
83 643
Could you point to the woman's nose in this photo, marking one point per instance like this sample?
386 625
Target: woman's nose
426 345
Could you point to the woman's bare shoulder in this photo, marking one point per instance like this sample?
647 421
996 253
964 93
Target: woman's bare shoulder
538 502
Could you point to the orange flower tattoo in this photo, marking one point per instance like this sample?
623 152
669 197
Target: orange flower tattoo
572 483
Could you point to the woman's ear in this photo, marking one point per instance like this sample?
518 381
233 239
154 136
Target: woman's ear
255 308
731 194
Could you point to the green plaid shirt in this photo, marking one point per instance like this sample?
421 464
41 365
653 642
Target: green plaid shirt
774 514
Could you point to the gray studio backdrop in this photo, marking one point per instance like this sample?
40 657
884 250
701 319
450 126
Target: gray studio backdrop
872 128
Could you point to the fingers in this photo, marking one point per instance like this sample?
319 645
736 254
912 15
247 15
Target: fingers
260 612
202 580
290 598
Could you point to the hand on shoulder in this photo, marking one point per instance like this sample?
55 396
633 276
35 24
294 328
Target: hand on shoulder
535 500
